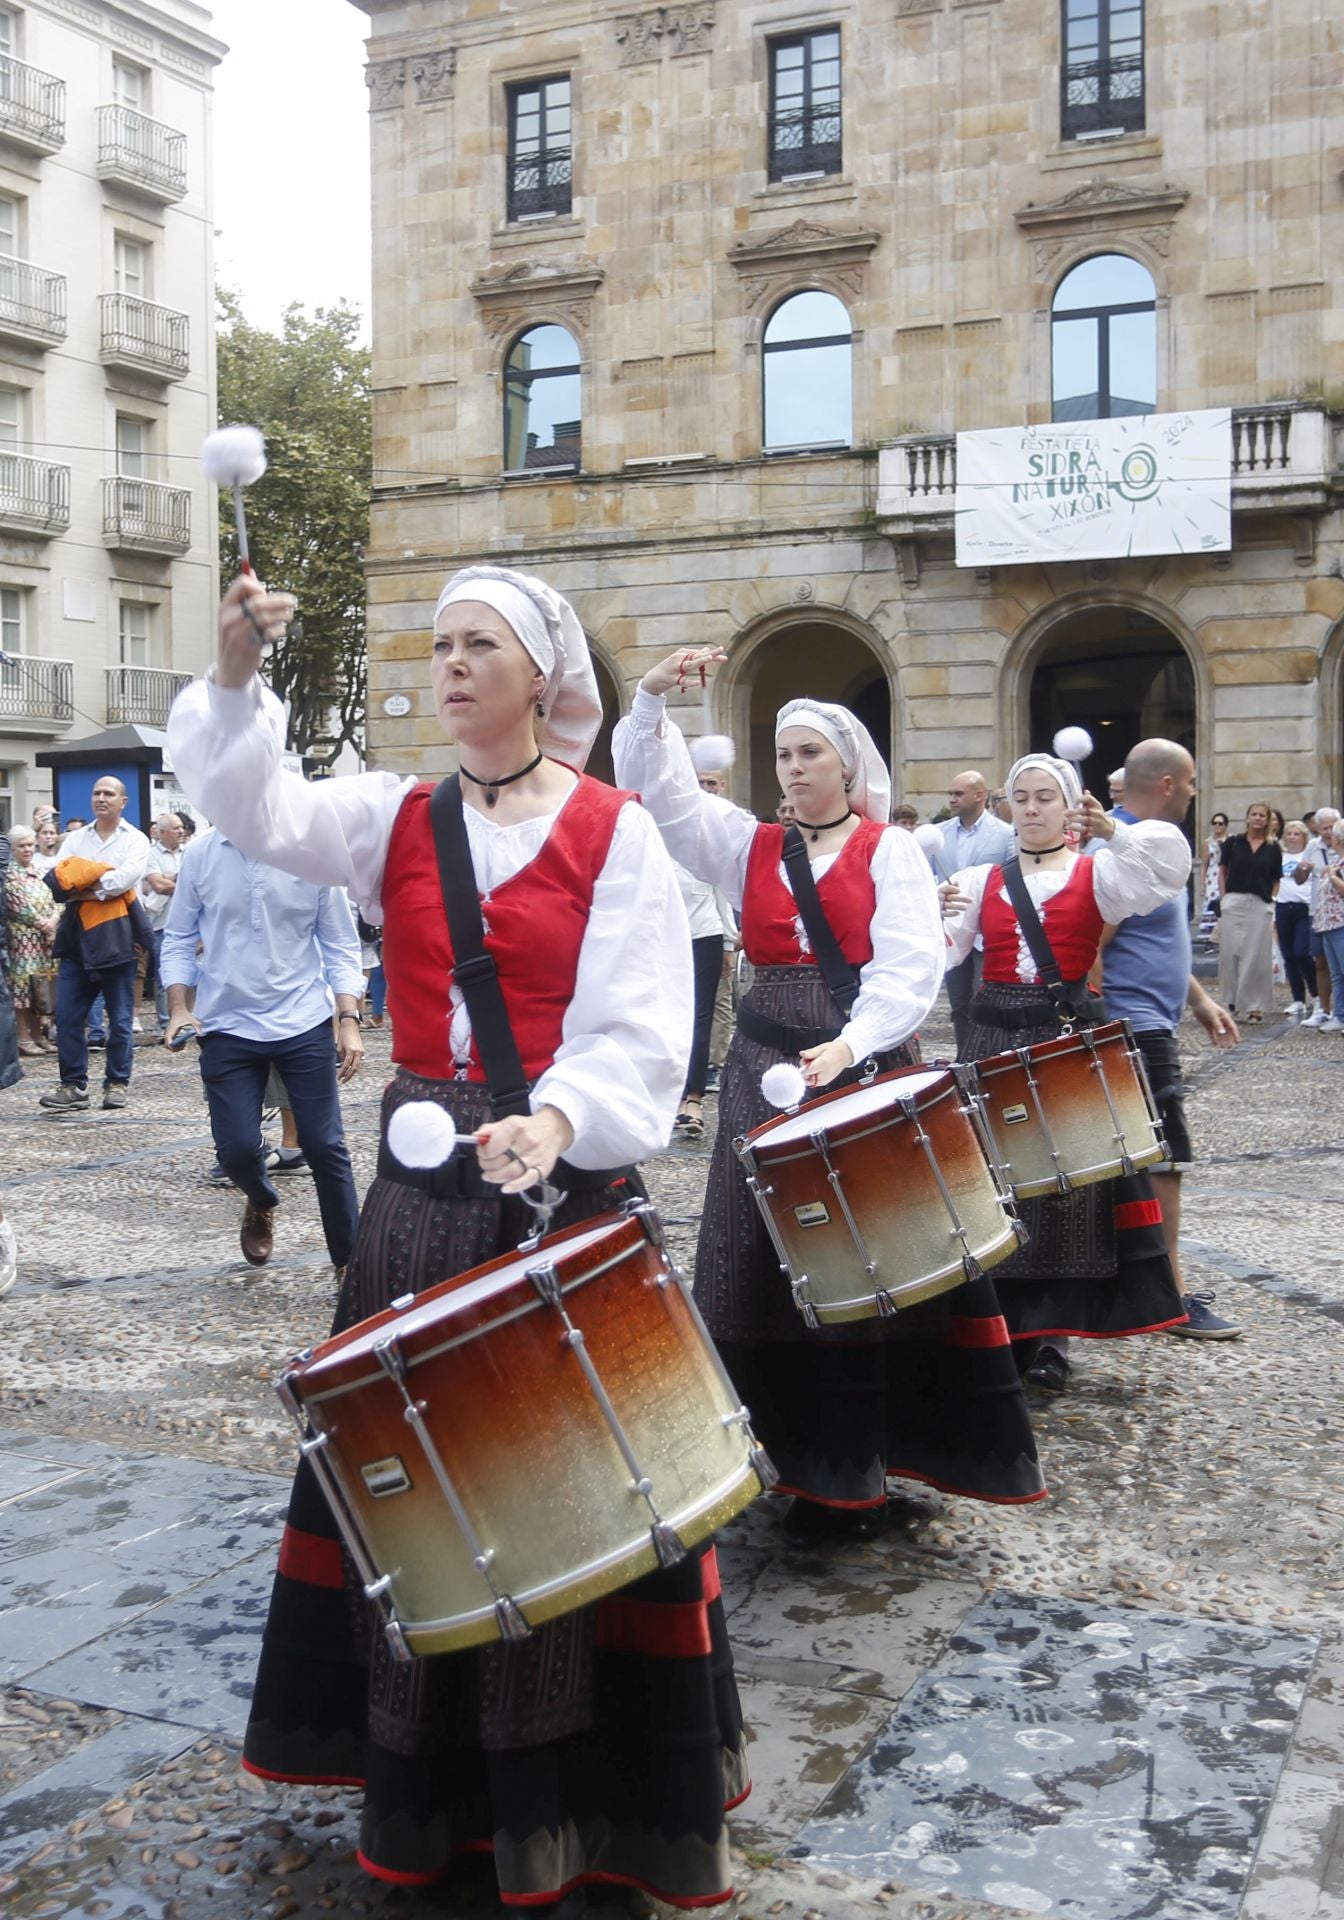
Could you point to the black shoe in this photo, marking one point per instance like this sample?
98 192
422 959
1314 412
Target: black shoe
1049 1370
807 1523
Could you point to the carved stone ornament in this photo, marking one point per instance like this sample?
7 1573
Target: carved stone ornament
559 291
678 30
1099 207
433 75
764 260
386 81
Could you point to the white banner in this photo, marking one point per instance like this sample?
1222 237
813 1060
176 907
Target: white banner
1095 489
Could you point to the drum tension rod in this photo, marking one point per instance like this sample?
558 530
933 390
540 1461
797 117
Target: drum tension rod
1063 1184
970 1265
512 1626
798 1282
1136 1060
1098 1067
313 1446
821 1146
667 1543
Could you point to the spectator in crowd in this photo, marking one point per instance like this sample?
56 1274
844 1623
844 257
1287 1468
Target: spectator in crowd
1252 864
74 823
31 919
1001 807
97 951
156 894
1292 921
48 836
1116 784
276 954
1327 917
1276 825
973 837
10 1072
905 816
1213 860
725 1008
371 959
1309 869
784 811
187 821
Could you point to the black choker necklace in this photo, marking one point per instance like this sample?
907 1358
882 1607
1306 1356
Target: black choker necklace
825 826
492 787
1039 854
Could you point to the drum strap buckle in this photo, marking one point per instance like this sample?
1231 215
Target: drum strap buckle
667 1543
1063 1184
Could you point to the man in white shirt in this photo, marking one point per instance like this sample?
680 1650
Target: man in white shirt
156 893
110 839
973 837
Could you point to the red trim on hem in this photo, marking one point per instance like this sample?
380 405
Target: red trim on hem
1081 1333
303 1779
310 1559
659 1631
686 1901
711 1586
745 1795
841 1506
1138 1213
392 1878
984 1331
964 1493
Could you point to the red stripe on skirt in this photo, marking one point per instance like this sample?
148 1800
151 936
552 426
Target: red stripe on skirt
1138 1213
311 1559
711 1586
663 1632
989 1330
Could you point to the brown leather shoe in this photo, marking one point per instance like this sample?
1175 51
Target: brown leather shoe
257 1238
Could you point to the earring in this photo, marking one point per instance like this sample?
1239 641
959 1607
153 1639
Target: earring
541 711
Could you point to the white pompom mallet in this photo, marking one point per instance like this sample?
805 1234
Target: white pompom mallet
421 1134
234 457
783 1084
1073 743
929 839
713 753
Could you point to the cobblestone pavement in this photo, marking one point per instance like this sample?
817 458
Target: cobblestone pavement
1194 1519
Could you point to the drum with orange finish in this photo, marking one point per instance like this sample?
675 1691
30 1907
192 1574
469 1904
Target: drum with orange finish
524 1438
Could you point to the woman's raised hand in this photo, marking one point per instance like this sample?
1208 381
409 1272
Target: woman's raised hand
249 618
688 667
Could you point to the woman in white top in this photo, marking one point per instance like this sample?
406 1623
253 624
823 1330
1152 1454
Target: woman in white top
1095 1262
931 1393
1292 921
570 1756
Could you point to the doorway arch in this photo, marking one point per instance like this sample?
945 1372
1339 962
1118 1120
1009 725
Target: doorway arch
1124 668
822 654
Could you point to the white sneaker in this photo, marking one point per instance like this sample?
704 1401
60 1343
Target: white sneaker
1316 1019
1332 1025
136 1026
1294 1010
9 1258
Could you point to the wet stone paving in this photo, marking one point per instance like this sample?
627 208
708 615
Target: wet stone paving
1126 1701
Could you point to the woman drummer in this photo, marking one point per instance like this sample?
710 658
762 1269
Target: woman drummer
579 1753
930 1394
1095 1261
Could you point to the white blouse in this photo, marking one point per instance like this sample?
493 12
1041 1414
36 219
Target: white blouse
712 839
626 1035
1141 867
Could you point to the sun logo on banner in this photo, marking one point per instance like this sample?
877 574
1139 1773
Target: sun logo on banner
1140 476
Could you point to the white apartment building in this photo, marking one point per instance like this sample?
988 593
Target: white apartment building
108 551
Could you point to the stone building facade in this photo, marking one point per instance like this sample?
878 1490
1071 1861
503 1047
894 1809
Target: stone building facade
653 184
109 566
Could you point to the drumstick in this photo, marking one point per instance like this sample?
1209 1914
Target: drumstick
421 1134
235 457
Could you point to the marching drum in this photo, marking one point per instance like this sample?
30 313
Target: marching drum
522 1439
879 1195
1069 1111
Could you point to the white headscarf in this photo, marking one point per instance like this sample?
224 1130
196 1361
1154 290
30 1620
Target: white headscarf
549 629
1063 771
870 783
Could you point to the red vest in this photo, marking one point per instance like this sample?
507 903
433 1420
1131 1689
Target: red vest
1072 922
846 892
534 927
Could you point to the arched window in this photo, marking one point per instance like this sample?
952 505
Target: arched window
807 373
542 411
1103 340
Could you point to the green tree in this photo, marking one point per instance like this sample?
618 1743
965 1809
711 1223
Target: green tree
307 388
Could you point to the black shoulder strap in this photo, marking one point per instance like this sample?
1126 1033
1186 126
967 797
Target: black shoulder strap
836 971
1035 936
473 966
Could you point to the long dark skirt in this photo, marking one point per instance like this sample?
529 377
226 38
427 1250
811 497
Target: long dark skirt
604 1748
1095 1264
931 1394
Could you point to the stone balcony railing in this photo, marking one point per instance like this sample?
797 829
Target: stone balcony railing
141 154
32 107
142 336
32 303
142 696
34 495
35 695
144 516
1281 462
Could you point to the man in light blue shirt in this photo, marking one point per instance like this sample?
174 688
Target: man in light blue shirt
275 954
973 837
